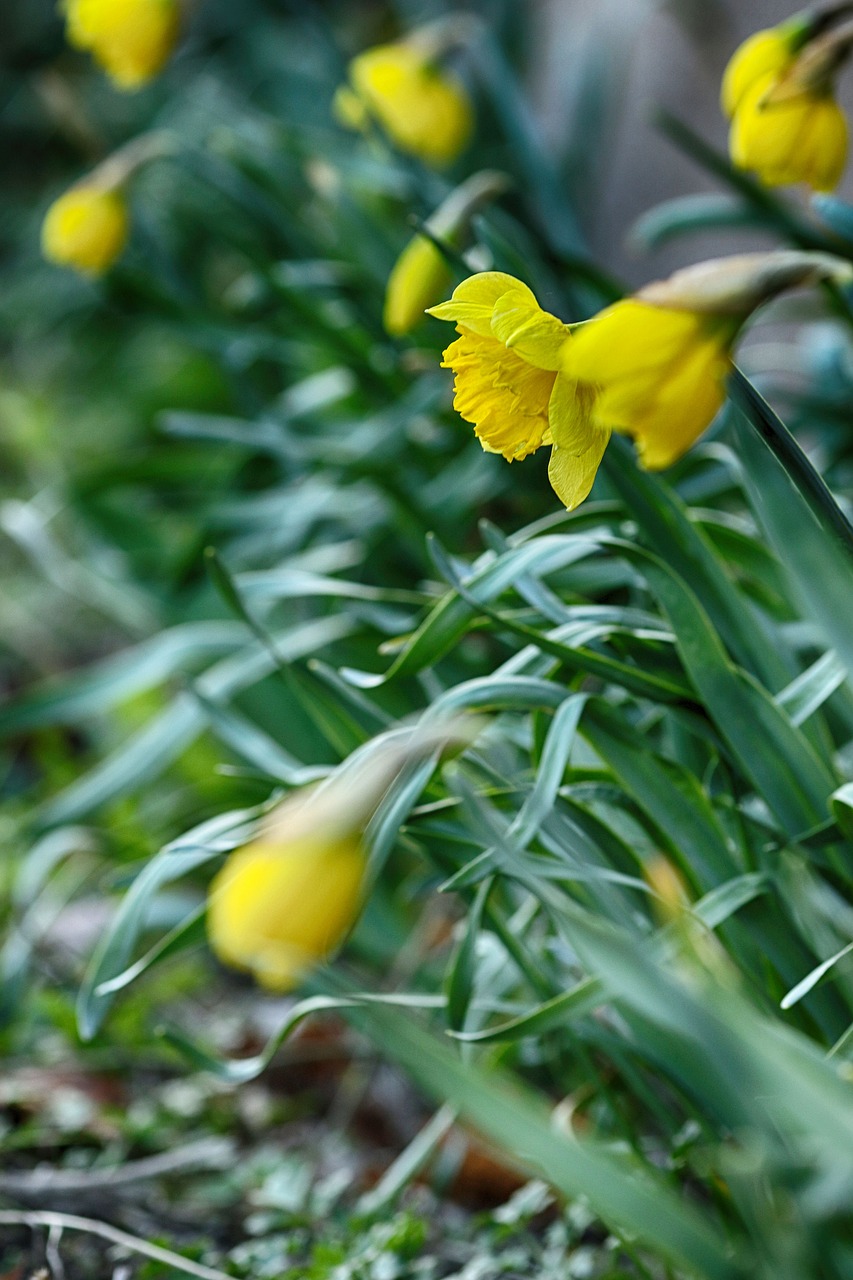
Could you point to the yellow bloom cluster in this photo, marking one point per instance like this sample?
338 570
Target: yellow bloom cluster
778 93
423 110
131 39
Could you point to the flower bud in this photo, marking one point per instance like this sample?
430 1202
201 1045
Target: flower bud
86 228
131 39
285 902
422 273
400 86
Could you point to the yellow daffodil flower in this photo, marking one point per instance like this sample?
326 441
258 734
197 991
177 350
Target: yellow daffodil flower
86 228
283 904
424 111
778 92
131 39
422 273
510 381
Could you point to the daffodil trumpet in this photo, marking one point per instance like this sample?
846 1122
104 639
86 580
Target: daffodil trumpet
425 268
653 366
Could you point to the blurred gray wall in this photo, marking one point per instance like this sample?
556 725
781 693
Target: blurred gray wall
609 64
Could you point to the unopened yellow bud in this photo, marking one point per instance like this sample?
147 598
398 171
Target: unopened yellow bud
424 111
422 273
667 885
86 228
282 905
131 39
285 902
778 91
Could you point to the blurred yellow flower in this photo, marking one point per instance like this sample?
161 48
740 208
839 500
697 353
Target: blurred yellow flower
285 903
422 273
425 111
131 39
778 92
86 228
419 276
510 381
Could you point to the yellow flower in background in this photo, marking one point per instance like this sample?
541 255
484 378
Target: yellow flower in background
419 276
285 903
422 272
778 92
765 53
131 39
86 228
424 111
510 381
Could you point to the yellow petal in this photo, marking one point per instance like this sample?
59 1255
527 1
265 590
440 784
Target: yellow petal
572 474
766 53
473 302
277 910
685 404
520 323
502 395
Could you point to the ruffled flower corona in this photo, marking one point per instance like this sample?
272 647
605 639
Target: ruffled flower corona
424 110
510 381
86 228
131 39
778 93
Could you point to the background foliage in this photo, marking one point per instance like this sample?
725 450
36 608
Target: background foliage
244 536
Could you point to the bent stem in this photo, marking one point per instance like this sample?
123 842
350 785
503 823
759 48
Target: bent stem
802 473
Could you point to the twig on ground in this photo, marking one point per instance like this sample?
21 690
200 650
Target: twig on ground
71 1222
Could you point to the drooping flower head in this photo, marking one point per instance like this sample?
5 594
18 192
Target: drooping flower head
131 39
656 364
400 86
778 91
86 228
508 362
